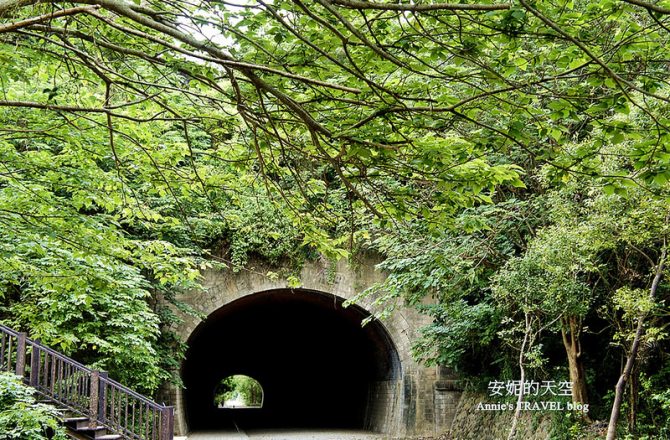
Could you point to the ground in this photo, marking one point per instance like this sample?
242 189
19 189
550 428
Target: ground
295 435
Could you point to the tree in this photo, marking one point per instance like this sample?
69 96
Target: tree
544 284
239 388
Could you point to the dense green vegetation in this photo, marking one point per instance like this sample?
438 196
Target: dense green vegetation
21 417
239 391
509 159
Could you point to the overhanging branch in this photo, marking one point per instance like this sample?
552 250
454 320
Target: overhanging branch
649 6
34 20
362 5
76 109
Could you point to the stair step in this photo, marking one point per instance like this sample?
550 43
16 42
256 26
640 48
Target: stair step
78 423
73 435
102 434
108 437
91 428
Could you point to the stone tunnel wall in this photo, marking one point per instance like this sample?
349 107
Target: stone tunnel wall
414 405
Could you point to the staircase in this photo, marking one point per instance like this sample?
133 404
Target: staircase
93 405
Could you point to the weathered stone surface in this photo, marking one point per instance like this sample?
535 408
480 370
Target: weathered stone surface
470 423
411 406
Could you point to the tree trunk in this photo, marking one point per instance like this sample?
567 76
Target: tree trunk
522 376
570 330
630 361
633 391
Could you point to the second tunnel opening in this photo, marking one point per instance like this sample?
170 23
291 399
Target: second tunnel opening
315 363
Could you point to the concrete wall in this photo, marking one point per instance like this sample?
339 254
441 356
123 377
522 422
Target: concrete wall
415 405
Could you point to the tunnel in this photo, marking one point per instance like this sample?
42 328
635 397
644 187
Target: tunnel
315 362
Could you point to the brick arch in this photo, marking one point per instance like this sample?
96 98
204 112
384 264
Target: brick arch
224 287
403 406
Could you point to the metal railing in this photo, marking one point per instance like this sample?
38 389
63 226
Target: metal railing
86 392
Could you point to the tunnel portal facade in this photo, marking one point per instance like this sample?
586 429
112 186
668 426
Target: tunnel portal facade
317 366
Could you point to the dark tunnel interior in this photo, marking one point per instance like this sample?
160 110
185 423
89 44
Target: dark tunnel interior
312 357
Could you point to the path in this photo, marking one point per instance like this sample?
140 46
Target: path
288 434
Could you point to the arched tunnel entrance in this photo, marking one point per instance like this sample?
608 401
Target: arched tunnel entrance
315 363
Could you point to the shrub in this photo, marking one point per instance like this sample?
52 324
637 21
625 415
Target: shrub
22 417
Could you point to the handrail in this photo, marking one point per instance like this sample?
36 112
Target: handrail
12 332
87 392
9 330
57 354
135 394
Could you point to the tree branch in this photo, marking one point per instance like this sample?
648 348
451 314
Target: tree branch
62 13
363 5
589 53
76 109
649 6
216 55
